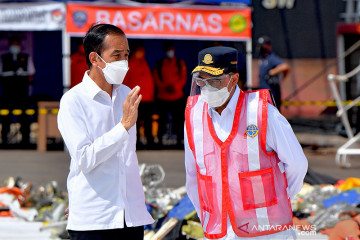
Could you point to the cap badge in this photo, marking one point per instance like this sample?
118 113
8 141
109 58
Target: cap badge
252 130
207 59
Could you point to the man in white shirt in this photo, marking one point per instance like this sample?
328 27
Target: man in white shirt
243 161
96 120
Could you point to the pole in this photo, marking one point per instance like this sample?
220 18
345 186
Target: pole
341 64
249 64
66 59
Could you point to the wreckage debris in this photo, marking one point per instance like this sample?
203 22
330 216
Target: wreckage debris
321 211
37 213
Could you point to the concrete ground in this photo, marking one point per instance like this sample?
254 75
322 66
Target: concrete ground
42 167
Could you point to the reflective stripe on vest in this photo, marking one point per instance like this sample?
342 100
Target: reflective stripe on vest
198 137
238 178
253 157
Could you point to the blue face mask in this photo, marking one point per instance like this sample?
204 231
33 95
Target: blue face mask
170 53
14 49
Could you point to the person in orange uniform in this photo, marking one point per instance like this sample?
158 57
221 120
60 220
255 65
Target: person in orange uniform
170 78
139 74
78 65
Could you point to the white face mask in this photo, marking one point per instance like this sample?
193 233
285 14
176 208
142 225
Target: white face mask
115 72
14 49
215 97
170 53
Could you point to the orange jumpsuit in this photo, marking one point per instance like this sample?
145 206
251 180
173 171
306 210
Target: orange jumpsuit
170 78
139 74
78 68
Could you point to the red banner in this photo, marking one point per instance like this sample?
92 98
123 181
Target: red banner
210 23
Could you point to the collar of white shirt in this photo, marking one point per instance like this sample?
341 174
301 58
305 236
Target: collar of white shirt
93 89
231 105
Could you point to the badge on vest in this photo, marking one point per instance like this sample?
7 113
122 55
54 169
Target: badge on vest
252 130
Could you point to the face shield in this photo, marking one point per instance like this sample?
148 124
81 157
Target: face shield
200 79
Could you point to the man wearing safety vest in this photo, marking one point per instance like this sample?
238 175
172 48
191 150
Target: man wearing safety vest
243 161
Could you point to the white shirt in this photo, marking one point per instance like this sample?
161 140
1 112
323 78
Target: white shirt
104 175
280 138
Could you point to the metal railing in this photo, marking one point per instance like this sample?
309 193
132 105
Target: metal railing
352 11
348 148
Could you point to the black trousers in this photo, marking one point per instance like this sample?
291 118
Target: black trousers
276 92
23 119
126 233
176 109
146 110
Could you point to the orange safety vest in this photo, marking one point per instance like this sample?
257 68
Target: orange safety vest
238 178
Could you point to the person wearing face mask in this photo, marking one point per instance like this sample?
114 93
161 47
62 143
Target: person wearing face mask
16 74
140 75
170 77
243 162
271 70
97 120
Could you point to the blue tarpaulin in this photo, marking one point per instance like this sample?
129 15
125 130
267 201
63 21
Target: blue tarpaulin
350 197
181 209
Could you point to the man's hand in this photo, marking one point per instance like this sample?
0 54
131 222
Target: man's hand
21 72
130 108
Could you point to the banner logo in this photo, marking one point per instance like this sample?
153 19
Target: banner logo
80 18
237 23
57 15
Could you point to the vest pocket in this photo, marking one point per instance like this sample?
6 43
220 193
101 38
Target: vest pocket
257 189
206 193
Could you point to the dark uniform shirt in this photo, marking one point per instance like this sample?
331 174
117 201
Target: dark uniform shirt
268 63
14 86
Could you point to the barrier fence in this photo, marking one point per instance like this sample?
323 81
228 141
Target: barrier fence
54 111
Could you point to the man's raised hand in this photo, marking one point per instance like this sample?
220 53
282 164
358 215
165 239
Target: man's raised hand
130 108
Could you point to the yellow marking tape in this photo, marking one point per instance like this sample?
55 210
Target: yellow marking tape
315 103
30 112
